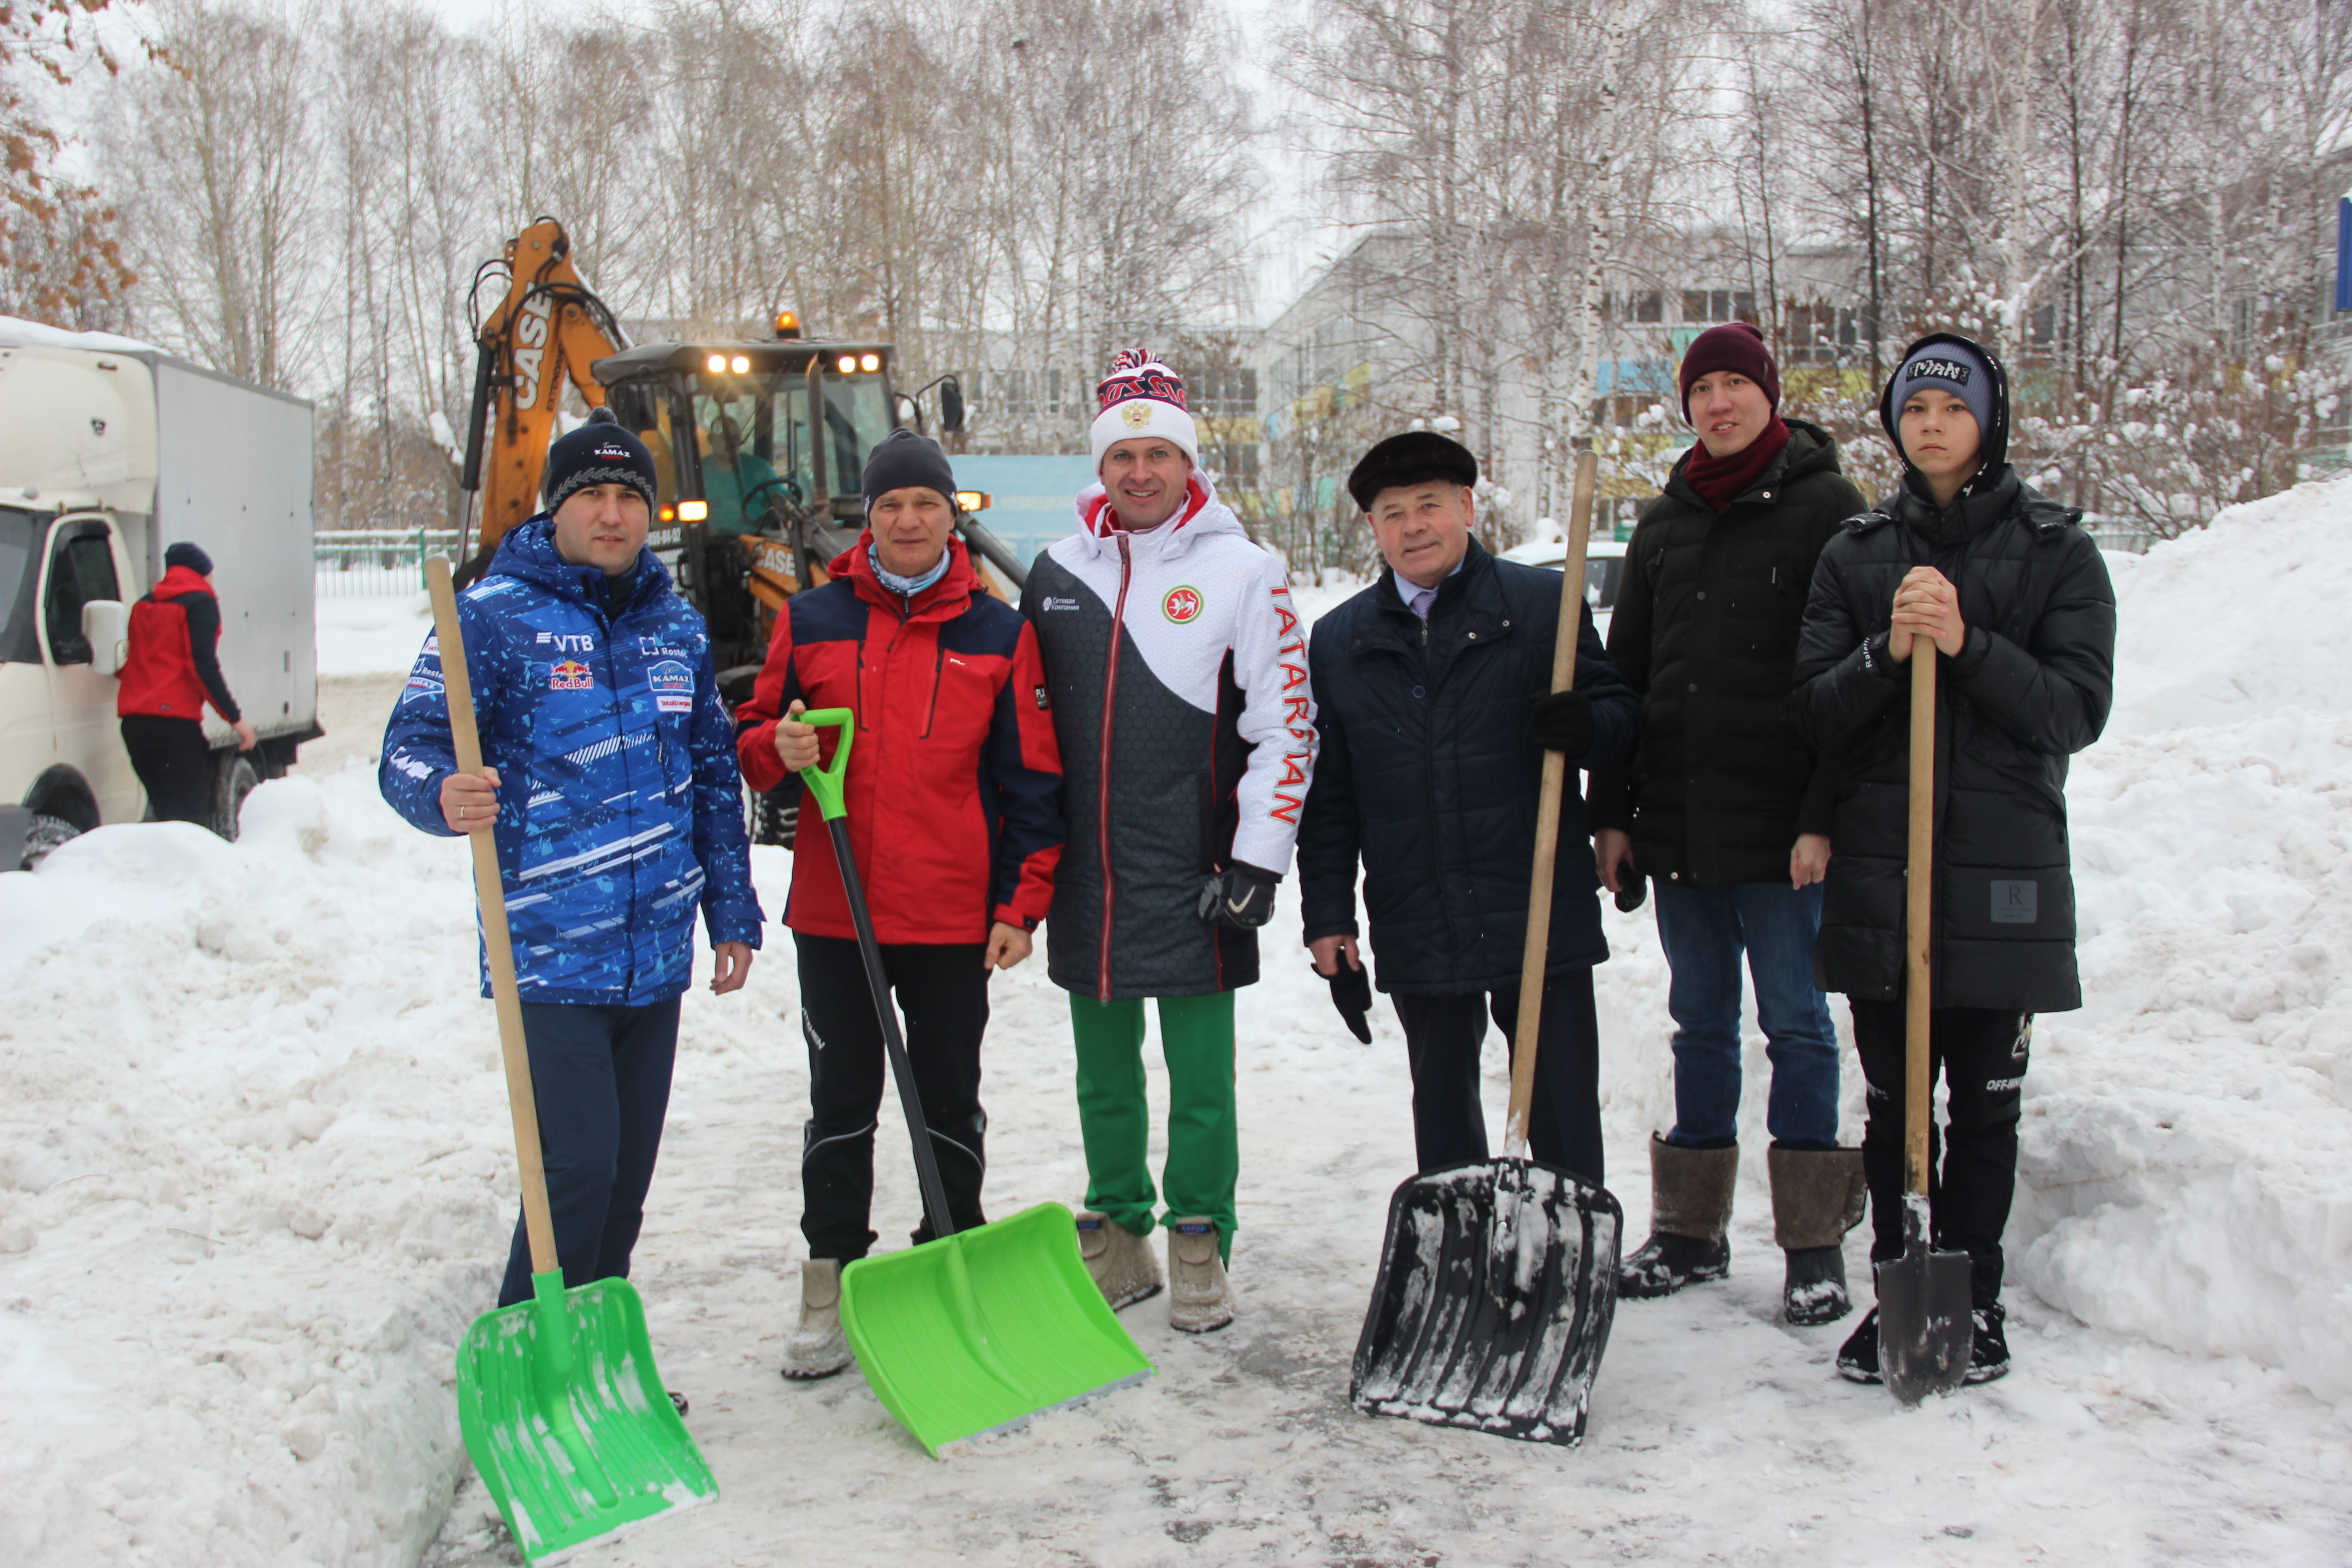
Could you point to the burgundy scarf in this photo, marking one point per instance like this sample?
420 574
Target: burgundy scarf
1720 480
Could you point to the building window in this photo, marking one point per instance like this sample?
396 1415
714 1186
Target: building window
1719 305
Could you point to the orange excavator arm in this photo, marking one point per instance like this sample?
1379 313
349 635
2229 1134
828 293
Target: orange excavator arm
549 329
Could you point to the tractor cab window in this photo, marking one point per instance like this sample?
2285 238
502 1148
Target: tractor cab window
751 437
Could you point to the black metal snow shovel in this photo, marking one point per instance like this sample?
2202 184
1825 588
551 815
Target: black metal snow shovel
1498 1279
975 1331
1925 1333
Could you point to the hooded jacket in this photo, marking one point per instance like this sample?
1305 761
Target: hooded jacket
619 809
2031 685
1431 775
953 791
1176 668
1720 783
174 661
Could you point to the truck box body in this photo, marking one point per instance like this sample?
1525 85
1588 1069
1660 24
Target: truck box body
110 451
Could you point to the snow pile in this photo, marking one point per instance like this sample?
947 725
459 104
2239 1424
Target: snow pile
251 1179
2186 1171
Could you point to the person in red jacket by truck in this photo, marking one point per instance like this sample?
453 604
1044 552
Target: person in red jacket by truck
954 808
172 671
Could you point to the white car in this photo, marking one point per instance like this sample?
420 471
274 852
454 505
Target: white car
1605 569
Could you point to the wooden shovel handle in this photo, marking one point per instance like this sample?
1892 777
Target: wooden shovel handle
1534 961
1919 903
458 686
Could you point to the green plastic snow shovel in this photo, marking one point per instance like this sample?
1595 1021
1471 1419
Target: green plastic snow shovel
558 1397
976 1331
1925 1333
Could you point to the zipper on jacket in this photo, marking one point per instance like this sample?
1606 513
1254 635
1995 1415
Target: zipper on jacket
939 665
1102 769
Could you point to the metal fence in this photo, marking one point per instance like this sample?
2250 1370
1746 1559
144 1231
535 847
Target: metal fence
375 563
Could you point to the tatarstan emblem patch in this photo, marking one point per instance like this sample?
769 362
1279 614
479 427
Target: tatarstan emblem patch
1182 604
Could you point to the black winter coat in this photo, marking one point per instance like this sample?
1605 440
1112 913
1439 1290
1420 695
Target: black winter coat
1706 629
2032 686
1429 772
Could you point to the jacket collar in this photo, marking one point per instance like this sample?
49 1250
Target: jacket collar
181 580
1203 515
1809 450
943 600
528 552
1468 608
2005 493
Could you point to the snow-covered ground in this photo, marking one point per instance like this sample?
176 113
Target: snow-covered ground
255 1179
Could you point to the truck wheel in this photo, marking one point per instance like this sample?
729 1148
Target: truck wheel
238 779
45 834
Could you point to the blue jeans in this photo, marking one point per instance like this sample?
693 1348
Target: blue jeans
1703 931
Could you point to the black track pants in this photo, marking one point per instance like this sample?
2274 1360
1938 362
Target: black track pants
1972 1160
175 767
1444 1035
942 993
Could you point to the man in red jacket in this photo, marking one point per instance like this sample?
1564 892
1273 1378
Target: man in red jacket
173 668
954 810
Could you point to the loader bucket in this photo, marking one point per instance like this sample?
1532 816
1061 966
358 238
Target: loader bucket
1496 1288
564 1414
981 1331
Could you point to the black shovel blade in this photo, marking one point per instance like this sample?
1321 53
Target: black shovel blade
1925 1333
1497 1284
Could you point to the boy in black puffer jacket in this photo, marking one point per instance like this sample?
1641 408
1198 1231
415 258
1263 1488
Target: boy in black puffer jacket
2013 594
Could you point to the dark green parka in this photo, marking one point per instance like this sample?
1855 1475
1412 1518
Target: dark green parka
1706 628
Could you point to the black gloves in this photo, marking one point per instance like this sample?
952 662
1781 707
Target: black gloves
1564 723
1351 994
1240 895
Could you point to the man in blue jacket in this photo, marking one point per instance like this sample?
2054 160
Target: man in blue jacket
1433 695
615 805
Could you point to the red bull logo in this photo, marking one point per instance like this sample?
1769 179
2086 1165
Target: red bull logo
570 676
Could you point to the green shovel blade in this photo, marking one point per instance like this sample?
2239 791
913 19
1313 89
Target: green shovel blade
564 1414
981 1331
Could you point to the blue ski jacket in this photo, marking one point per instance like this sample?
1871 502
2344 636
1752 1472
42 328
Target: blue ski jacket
620 808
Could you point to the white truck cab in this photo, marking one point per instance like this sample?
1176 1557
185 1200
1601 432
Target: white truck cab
109 452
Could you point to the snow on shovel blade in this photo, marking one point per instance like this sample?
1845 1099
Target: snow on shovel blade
1497 1284
1925 1333
984 1330
564 1414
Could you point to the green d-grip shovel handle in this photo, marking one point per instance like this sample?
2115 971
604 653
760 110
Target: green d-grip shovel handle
825 783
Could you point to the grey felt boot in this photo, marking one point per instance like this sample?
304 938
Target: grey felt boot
1818 1194
1120 1261
1690 1209
816 1346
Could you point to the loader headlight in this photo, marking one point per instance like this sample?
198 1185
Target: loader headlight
869 362
741 364
694 511
846 364
716 364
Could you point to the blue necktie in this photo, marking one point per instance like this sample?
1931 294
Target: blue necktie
1423 600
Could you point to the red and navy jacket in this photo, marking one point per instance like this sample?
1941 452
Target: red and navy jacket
954 784
174 663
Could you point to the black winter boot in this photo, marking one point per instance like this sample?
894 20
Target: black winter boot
1988 1356
1818 1195
1690 1209
1857 1359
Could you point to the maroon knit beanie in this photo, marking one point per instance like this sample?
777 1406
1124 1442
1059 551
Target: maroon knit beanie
1734 346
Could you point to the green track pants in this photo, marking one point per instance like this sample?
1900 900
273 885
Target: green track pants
1196 1033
